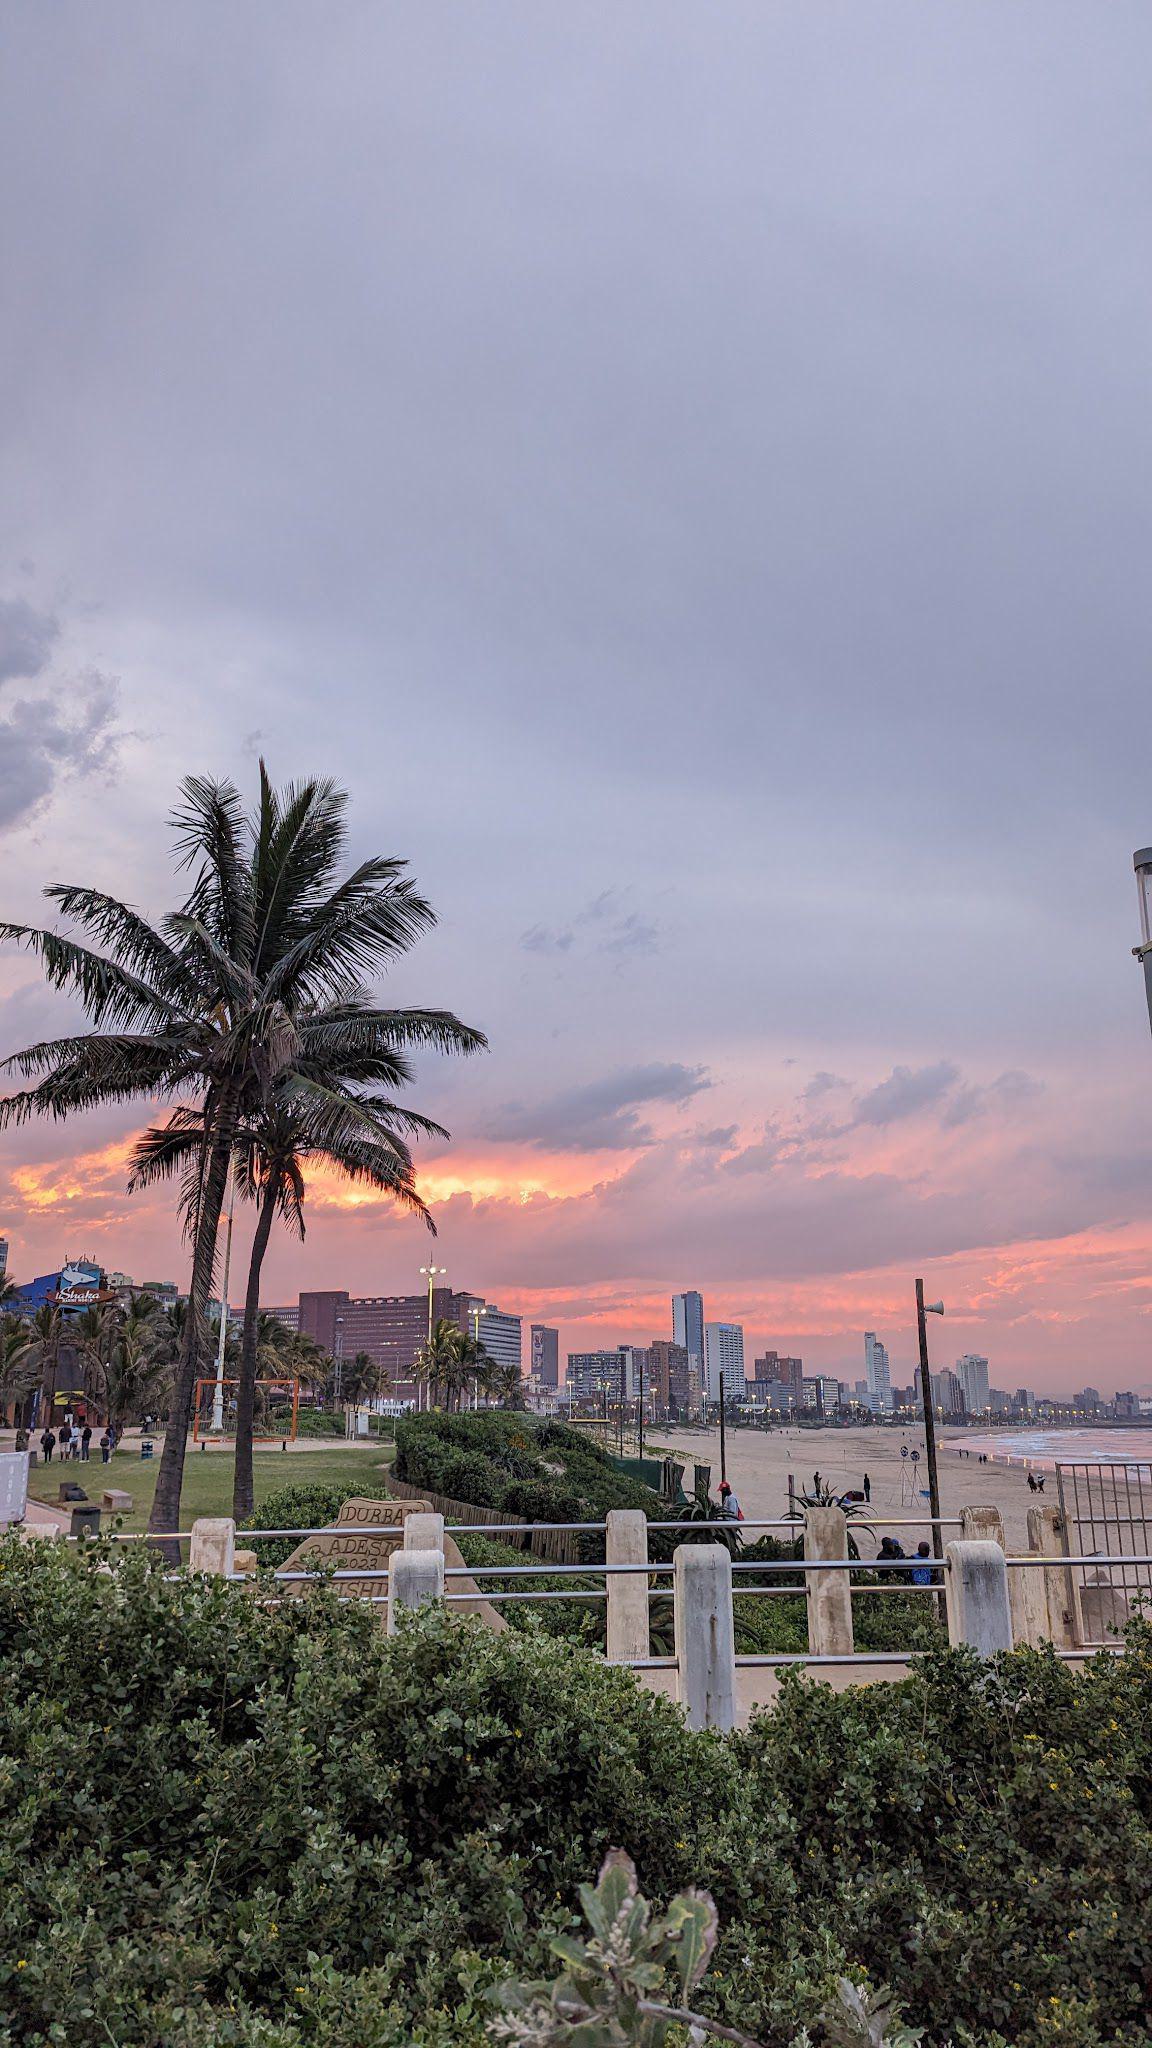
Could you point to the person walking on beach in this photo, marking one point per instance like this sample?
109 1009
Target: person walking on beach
867 1488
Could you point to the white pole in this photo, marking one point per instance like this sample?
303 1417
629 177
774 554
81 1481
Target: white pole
218 1396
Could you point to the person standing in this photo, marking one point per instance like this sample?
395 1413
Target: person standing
65 1440
85 1442
105 1448
47 1446
867 1488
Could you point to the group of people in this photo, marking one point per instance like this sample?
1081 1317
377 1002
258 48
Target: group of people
919 1571
75 1442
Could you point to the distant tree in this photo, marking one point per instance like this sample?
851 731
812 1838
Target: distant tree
504 1384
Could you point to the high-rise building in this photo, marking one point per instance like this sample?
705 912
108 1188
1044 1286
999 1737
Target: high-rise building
688 1327
724 1353
391 1328
500 1334
877 1373
947 1392
545 1355
288 1315
3 1257
633 1373
592 1374
671 1383
788 1372
972 1373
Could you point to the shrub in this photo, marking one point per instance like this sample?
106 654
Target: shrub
531 1470
231 1825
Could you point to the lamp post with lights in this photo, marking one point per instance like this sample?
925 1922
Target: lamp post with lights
1142 862
923 1310
431 1273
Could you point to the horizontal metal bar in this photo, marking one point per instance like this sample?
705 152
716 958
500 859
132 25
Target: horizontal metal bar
801 1657
1055 1562
550 1593
551 1571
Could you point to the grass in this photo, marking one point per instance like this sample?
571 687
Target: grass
208 1477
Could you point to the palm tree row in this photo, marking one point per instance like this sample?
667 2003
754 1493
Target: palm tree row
453 1364
249 1009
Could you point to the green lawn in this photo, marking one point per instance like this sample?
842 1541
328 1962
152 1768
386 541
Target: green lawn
208 1476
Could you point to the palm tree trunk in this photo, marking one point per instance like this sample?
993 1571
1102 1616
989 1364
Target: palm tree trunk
242 1492
170 1478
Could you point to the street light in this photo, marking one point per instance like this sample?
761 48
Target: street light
923 1309
430 1272
1142 862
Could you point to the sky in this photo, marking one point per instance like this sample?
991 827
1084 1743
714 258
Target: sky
685 470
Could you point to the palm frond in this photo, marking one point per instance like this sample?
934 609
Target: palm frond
135 943
108 991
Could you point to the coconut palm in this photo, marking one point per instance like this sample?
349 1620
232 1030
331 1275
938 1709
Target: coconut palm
203 1008
503 1384
19 1363
360 1378
328 1109
136 1374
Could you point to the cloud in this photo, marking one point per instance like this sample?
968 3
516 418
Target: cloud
44 740
822 1084
906 1092
601 1115
1007 1092
66 728
604 925
27 638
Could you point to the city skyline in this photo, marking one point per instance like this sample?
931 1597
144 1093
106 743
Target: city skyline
716 565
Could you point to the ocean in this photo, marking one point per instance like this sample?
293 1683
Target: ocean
1046 1448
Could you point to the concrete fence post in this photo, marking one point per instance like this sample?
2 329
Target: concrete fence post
977 1597
414 1576
986 1525
982 1525
705 1638
829 1594
213 1546
423 1532
1054 1602
626 1542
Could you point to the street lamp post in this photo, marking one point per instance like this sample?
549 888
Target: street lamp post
218 1393
923 1309
1142 862
723 1446
431 1273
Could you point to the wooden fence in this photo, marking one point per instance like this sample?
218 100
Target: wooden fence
558 1546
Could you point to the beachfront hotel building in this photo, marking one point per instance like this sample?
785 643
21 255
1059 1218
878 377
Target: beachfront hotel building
724 1353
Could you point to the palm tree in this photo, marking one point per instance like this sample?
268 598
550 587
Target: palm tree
207 1004
9 1291
451 1363
46 1329
329 1108
360 1378
19 1363
503 1384
136 1373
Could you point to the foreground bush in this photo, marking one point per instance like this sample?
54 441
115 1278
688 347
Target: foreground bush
222 1823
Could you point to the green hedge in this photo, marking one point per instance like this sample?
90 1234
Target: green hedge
234 1826
531 1470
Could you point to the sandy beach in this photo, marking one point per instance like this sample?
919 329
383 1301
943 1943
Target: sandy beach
759 1466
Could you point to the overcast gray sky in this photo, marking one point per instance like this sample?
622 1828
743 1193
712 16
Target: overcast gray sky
686 469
